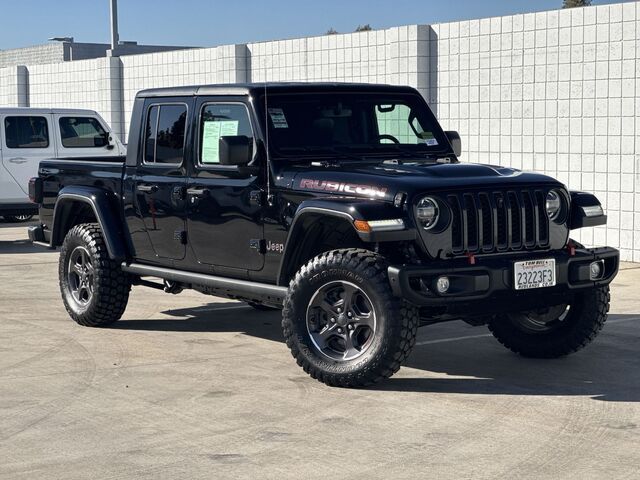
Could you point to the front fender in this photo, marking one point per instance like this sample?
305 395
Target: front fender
105 208
349 210
352 209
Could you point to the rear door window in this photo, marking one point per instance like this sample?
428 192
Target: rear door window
82 132
26 132
164 134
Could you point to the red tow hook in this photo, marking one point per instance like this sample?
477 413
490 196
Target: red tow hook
571 248
471 258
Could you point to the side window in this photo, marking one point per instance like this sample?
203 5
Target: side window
397 122
26 132
150 134
221 120
82 132
164 134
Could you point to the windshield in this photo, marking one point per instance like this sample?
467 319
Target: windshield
351 123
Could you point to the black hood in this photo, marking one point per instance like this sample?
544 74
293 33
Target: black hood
383 181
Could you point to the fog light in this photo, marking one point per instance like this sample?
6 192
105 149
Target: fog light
596 270
442 284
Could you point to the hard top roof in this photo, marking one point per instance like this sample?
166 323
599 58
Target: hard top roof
239 89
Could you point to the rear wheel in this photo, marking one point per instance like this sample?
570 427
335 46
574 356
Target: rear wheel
554 331
95 290
341 322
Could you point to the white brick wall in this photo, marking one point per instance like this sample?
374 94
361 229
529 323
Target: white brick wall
556 92
13 87
181 67
7 96
81 84
393 56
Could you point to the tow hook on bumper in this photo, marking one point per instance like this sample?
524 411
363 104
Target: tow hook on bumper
491 275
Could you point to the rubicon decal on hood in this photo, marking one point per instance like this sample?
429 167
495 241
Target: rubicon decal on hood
354 188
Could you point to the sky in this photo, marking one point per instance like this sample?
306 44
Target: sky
219 22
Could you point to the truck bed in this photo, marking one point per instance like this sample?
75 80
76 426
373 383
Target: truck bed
102 172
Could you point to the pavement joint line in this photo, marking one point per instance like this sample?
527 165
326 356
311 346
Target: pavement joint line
27 264
143 365
455 339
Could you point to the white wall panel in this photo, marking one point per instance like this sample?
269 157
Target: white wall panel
556 92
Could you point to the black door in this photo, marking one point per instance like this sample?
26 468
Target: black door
224 223
160 183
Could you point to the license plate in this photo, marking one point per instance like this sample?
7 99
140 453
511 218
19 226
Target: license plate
534 274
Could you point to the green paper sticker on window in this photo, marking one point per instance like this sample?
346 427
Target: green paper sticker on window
211 133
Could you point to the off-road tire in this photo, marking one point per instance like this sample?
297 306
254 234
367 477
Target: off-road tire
585 318
111 286
393 339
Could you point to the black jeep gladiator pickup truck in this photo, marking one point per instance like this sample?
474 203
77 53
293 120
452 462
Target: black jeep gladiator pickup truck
343 204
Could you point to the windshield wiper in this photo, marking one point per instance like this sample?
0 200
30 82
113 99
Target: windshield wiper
339 157
336 155
405 156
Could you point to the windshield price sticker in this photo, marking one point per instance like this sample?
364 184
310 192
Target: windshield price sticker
534 274
277 118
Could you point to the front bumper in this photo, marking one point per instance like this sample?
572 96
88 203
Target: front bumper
491 278
38 234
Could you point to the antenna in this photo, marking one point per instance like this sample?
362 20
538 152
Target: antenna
266 126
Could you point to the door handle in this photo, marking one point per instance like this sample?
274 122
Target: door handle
148 188
18 160
198 192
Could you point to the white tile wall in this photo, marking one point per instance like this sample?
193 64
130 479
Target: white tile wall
7 97
557 92
12 84
80 84
396 56
225 64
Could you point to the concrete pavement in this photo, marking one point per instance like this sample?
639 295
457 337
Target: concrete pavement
194 387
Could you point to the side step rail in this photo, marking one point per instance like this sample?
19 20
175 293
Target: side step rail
218 286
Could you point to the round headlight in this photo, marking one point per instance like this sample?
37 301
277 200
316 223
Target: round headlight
554 204
427 212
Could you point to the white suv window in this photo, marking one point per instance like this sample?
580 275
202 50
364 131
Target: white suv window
82 132
26 132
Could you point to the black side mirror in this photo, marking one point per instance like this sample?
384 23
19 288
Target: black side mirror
236 150
456 143
100 141
105 140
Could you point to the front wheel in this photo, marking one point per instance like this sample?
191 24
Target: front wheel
341 322
95 290
554 331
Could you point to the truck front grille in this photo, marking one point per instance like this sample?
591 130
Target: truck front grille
498 221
